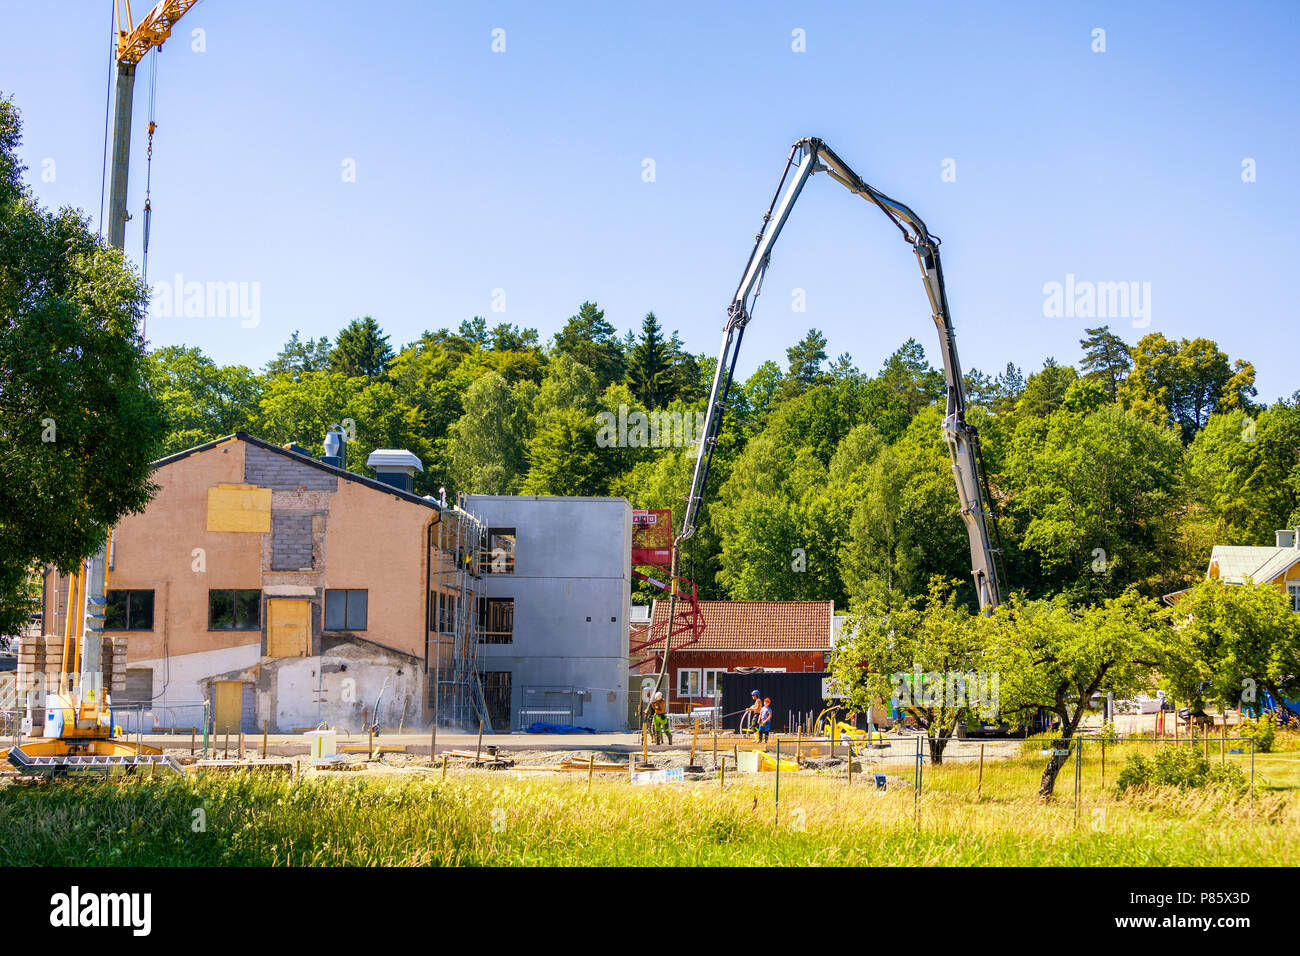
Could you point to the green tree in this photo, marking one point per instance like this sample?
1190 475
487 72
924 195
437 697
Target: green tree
650 372
591 341
361 349
1106 358
1188 380
905 527
1094 499
1046 390
487 444
564 457
78 424
805 360
924 656
1231 642
1243 471
297 356
1050 656
907 375
201 399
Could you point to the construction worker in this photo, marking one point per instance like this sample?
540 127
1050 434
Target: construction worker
765 720
658 711
755 707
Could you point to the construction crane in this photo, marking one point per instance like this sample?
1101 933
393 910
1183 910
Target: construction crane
78 724
809 156
133 42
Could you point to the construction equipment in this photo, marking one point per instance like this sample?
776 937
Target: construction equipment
133 42
809 156
78 713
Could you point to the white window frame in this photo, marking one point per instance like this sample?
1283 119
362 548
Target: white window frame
1293 592
712 675
688 672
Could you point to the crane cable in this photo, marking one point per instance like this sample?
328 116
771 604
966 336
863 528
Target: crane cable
148 178
108 101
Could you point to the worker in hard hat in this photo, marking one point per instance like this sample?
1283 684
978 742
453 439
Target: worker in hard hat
658 711
753 712
765 719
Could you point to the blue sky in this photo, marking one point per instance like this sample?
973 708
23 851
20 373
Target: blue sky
522 170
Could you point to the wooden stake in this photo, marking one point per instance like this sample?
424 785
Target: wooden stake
370 745
645 744
479 752
979 784
591 769
226 753
193 732
433 743
695 733
722 781
444 766
241 743
1103 763
265 725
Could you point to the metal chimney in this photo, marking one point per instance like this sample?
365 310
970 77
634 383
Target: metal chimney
336 447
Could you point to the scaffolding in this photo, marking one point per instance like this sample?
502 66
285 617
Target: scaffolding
456 548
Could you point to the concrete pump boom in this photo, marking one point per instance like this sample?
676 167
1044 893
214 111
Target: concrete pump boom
810 156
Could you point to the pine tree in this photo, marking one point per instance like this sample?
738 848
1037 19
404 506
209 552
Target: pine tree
590 341
362 349
650 367
1106 358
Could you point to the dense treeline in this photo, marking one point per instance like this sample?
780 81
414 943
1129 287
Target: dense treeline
828 483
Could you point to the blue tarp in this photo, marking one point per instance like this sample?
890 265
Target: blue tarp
541 727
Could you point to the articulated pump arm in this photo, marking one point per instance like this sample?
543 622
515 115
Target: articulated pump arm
810 156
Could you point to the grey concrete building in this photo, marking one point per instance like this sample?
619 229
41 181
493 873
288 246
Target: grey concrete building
556 604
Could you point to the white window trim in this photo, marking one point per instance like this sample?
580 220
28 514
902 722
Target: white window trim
1293 592
687 672
717 680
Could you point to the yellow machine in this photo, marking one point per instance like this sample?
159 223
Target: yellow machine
838 730
78 712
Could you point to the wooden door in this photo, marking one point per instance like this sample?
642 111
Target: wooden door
229 698
288 628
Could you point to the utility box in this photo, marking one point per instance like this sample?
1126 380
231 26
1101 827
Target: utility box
321 743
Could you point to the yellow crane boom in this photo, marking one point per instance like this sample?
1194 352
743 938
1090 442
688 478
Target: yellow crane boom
133 42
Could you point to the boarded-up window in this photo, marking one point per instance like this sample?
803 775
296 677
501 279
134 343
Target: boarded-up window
288 628
239 508
139 686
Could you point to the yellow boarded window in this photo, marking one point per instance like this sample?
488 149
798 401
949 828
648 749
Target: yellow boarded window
239 508
288 628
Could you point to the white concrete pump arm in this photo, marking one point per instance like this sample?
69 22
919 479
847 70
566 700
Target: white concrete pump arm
810 156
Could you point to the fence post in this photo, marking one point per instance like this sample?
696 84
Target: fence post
979 784
776 812
1252 776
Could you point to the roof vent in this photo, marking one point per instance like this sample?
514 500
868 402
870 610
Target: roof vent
396 467
336 447
1287 537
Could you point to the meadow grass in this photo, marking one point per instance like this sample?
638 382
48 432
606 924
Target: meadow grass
485 818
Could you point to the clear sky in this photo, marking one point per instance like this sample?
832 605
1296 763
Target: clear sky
524 170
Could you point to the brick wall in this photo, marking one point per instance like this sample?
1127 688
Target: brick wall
291 542
267 469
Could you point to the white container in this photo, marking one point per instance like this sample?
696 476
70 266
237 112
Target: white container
321 743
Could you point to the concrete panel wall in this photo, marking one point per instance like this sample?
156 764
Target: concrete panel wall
572 588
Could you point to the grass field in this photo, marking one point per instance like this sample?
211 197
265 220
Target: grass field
486 818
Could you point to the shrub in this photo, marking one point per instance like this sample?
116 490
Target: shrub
1181 767
1262 729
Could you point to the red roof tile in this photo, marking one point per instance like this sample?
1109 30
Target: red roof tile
756 625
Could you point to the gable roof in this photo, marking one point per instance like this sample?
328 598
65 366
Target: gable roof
370 483
758 625
1236 563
